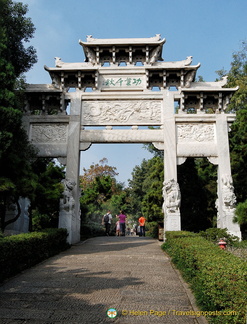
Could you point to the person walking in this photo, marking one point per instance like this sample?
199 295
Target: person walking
106 220
122 220
142 221
117 228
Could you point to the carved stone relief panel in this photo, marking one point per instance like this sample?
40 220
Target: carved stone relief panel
229 198
195 132
121 112
49 133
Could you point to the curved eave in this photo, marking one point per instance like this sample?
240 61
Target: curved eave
68 69
170 67
40 88
209 89
122 41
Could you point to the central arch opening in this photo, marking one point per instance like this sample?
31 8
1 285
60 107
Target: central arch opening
122 156
197 179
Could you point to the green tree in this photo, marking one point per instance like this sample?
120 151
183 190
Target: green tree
16 32
44 210
16 154
146 189
98 186
152 186
207 173
241 217
197 194
97 170
136 189
237 76
120 201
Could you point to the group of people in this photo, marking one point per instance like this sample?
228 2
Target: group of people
121 224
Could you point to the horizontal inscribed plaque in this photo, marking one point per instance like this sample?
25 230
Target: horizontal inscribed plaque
121 112
124 82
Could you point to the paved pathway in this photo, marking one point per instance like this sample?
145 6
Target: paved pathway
129 274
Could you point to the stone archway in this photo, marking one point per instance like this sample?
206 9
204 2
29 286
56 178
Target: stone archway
122 96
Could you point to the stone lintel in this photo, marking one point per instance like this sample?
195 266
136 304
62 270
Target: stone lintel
121 136
123 95
203 149
205 118
55 150
40 119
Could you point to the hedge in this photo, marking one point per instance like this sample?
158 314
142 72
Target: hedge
92 229
217 278
19 252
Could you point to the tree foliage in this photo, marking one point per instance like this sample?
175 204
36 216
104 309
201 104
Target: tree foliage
137 191
241 213
198 185
44 211
97 170
16 31
237 76
152 187
197 181
100 192
146 189
16 154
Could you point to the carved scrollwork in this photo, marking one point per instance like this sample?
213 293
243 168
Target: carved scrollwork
195 133
122 111
49 133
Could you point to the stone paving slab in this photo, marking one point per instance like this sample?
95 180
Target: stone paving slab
129 274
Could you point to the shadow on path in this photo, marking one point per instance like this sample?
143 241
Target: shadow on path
129 274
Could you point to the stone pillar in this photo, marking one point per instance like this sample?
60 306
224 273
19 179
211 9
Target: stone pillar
69 216
226 198
171 192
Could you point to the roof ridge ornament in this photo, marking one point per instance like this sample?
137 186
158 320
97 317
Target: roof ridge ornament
70 65
186 62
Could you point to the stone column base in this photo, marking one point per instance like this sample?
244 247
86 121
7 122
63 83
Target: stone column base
172 222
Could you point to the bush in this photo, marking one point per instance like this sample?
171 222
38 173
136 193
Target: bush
152 229
217 278
92 229
43 221
40 221
241 213
241 218
19 252
215 234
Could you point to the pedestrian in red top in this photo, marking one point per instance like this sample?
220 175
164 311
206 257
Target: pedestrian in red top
142 222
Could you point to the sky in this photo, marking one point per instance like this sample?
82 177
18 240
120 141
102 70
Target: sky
209 30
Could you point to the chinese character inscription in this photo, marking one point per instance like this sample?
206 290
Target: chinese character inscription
128 82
